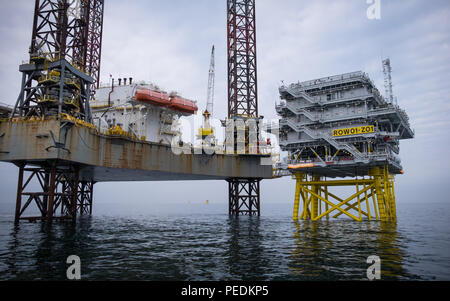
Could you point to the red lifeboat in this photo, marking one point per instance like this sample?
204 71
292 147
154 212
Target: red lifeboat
184 105
156 98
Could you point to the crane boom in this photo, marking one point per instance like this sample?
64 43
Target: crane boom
211 79
206 133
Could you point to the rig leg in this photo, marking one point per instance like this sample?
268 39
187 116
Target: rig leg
51 195
60 190
19 194
85 197
244 196
298 178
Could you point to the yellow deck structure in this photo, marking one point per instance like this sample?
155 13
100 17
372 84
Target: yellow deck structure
373 198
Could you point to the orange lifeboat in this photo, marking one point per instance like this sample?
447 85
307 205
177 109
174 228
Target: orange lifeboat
156 98
184 105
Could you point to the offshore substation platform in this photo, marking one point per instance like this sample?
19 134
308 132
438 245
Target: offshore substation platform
66 132
342 127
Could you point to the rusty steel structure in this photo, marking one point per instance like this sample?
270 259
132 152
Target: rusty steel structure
60 161
244 194
242 75
60 189
94 40
64 59
58 32
59 80
50 135
69 29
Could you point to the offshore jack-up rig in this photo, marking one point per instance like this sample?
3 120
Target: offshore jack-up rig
66 132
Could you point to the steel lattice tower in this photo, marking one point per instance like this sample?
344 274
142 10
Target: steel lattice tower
243 193
242 79
64 54
59 80
94 42
57 33
73 31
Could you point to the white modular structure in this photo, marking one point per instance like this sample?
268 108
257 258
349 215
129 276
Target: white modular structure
117 106
340 126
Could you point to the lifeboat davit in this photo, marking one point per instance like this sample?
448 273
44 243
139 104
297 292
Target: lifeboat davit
157 98
184 105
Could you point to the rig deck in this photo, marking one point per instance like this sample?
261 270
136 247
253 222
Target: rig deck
117 158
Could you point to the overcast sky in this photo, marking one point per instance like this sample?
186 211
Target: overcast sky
169 43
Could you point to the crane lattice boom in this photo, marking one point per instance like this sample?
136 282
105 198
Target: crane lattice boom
211 79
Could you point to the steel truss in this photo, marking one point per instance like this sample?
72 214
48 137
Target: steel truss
318 202
94 40
244 196
70 29
58 32
51 88
65 52
59 189
242 75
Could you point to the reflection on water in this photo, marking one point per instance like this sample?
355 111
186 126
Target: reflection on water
245 254
39 251
339 249
213 247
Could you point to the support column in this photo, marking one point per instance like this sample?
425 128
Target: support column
314 189
306 199
298 179
58 196
85 196
74 192
51 193
374 199
19 194
376 172
314 199
243 196
393 204
81 196
367 204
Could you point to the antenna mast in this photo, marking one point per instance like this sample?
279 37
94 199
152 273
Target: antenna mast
387 70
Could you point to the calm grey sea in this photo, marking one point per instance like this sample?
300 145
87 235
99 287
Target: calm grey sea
200 242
